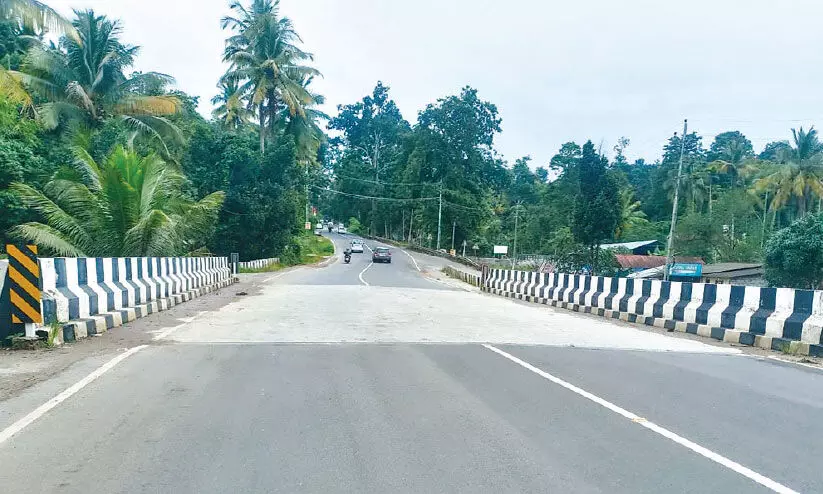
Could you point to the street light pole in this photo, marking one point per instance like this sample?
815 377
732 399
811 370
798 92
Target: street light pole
670 242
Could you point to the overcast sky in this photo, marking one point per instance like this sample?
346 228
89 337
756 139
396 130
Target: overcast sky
557 70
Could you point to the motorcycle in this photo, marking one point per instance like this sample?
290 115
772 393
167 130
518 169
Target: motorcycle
347 258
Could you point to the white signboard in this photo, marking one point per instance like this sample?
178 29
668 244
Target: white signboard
501 249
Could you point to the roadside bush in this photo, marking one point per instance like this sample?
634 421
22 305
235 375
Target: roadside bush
354 226
794 255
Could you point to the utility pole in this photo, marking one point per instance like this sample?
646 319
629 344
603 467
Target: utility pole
464 247
670 242
516 218
454 228
439 215
307 191
411 223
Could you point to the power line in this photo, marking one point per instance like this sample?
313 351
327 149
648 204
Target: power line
360 196
404 184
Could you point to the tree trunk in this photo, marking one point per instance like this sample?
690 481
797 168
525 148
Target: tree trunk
262 129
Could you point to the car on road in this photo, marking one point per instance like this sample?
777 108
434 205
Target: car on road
356 247
341 230
381 254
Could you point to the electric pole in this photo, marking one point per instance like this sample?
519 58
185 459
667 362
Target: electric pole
439 215
670 242
516 218
454 227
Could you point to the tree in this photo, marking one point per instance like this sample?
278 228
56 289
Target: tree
267 62
21 160
83 83
630 214
732 147
128 205
597 207
620 152
230 110
794 255
774 150
799 180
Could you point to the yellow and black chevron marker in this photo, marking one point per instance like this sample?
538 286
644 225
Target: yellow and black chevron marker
24 275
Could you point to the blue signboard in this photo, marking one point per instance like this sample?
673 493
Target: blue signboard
694 270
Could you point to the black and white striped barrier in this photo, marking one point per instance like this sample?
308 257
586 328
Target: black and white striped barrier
259 263
782 319
91 295
471 279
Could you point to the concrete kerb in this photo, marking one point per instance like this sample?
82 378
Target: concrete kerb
704 330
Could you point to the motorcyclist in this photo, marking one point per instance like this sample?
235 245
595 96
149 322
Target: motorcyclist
347 254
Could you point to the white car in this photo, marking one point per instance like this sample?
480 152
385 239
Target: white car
341 230
357 247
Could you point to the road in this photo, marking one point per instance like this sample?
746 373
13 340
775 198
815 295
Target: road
374 378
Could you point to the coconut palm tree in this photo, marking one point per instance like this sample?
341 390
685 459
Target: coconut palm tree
128 205
267 63
308 135
83 82
35 15
799 180
230 110
630 213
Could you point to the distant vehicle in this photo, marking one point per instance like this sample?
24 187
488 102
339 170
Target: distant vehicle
341 230
356 247
319 226
381 254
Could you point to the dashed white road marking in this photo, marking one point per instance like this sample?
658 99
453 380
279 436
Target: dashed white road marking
715 457
361 274
38 412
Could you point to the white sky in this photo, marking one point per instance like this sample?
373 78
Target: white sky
557 70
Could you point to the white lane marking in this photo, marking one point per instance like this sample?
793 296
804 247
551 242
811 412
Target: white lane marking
275 276
715 457
45 407
361 274
772 357
186 320
412 258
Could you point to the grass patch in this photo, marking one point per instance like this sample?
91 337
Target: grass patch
267 269
312 248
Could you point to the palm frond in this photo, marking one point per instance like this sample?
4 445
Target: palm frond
148 105
57 218
47 238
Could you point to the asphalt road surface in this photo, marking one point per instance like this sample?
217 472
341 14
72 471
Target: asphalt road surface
377 378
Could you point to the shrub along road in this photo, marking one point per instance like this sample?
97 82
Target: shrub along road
403 384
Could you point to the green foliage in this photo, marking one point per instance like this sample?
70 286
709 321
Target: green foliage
354 225
82 83
128 205
597 206
794 255
266 63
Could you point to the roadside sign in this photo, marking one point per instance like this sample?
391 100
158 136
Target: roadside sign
501 249
694 270
308 225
